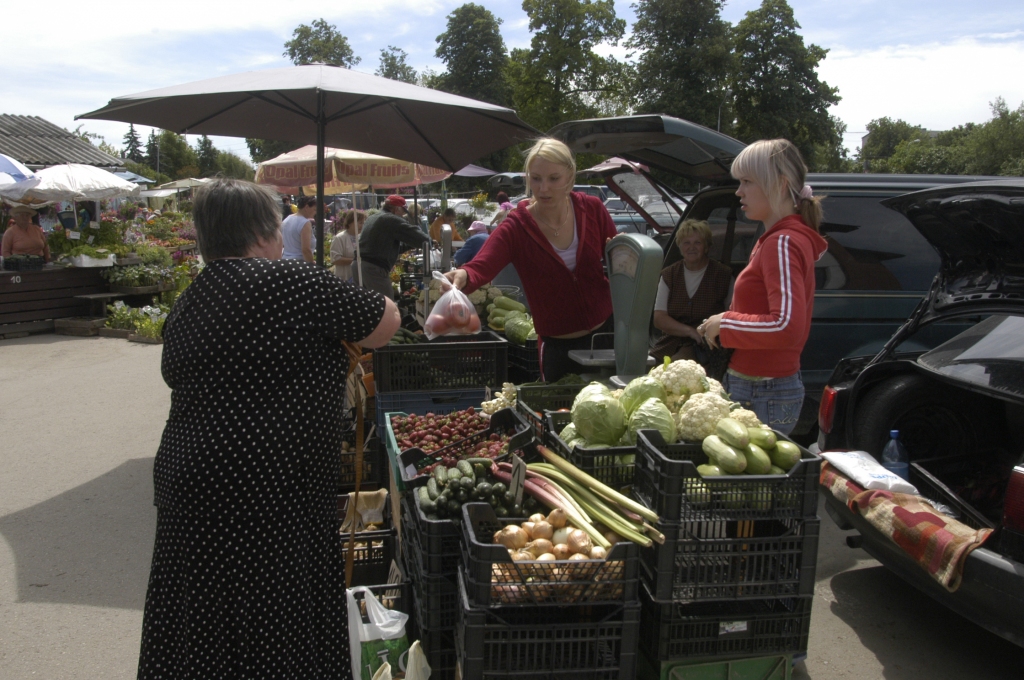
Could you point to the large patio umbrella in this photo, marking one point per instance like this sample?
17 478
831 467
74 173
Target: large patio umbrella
331 106
68 182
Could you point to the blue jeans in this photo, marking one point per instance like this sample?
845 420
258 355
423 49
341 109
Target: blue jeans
776 401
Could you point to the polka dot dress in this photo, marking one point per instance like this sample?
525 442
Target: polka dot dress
247 578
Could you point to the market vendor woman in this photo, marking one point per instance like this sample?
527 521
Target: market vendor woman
556 241
24 237
247 578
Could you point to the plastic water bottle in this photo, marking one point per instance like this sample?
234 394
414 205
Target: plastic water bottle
894 456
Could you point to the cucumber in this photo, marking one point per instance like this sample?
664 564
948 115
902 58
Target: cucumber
709 470
484 489
499 488
485 462
726 457
500 511
776 470
441 475
433 490
454 475
733 433
467 483
426 505
466 468
785 454
762 437
758 462
479 470
509 304
462 495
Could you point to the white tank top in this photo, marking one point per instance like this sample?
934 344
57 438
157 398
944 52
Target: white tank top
569 254
291 234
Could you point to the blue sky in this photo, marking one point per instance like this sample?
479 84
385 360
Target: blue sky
936 63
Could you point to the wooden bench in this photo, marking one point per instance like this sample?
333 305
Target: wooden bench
98 301
29 301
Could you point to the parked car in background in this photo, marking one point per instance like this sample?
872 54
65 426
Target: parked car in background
877 267
614 205
596 190
960 406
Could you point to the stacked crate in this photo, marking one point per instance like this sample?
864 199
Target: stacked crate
735 576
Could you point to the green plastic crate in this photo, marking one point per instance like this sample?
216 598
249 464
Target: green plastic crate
778 667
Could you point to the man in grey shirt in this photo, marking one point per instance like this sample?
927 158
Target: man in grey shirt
385 235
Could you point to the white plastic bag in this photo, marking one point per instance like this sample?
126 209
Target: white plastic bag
861 467
417 667
453 313
380 640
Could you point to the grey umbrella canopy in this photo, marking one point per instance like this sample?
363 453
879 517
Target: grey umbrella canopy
329 106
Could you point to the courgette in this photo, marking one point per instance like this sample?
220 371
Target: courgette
785 454
762 437
466 468
724 456
758 462
441 475
508 303
426 504
733 433
432 488
454 475
467 483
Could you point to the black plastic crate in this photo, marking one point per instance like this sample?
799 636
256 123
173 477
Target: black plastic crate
538 642
671 630
667 482
446 363
374 464
374 550
437 594
961 474
420 403
24 263
613 466
534 401
732 560
493 580
439 647
409 281
438 541
523 362
506 421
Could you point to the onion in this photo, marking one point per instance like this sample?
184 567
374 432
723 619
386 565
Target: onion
546 557
561 536
561 551
539 546
528 528
521 555
512 537
537 517
579 542
612 537
542 530
598 553
557 518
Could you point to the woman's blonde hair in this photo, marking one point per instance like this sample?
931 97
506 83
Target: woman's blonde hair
699 227
777 167
554 151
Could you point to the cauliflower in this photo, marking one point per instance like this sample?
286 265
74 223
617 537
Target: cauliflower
493 293
504 399
423 295
683 377
435 284
746 417
478 297
435 295
715 387
617 394
675 402
699 415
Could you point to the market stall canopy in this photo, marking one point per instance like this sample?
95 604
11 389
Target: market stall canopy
37 142
157 193
344 171
475 171
132 177
12 170
69 182
184 183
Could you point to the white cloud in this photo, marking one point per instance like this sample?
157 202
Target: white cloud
937 85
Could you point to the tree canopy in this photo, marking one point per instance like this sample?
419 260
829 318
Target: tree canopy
394 65
320 42
133 145
474 56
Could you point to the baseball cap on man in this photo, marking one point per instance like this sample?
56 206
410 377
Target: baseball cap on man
395 200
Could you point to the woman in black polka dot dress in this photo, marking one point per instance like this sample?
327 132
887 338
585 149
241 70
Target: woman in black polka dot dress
247 578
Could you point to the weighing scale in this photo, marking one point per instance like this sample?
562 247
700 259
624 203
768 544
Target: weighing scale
634 268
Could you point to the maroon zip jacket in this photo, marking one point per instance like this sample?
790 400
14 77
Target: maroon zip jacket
561 301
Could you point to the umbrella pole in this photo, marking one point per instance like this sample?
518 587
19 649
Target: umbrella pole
321 125
359 257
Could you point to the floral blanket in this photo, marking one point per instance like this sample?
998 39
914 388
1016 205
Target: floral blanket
937 542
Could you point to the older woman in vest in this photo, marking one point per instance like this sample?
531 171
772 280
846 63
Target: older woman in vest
690 291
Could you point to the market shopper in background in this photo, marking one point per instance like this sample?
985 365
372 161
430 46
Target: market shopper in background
297 231
447 217
690 291
504 207
478 232
556 241
247 579
343 247
770 317
385 236
23 237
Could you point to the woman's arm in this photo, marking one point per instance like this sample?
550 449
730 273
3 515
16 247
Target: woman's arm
339 252
493 256
666 324
385 330
8 242
307 241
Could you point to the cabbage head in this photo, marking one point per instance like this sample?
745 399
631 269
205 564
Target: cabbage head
568 433
517 329
640 390
653 415
590 390
598 416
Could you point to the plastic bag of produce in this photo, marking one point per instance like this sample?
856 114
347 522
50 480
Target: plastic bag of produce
598 416
640 390
453 314
376 638
861 467
653 415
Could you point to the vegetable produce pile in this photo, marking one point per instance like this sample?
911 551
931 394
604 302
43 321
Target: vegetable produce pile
406 337
736 449
468 480
504 399
432 432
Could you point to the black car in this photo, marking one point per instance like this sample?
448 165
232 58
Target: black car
960 406
875 271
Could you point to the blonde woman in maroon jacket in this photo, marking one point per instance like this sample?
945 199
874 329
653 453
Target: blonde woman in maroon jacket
556 242
770 316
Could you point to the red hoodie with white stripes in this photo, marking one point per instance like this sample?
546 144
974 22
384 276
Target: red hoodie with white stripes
773 300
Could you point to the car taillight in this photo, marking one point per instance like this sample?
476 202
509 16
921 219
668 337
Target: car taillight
1013 509
827 409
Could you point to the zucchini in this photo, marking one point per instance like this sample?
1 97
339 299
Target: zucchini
466 468
508 303
758 462
454 475
433 490
732 433
709 470
762 437
426 504
467 483
785 454
441 475
724 456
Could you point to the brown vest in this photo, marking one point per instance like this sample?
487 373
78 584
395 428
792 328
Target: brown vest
708 300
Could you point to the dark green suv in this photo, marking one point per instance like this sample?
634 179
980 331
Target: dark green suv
876 269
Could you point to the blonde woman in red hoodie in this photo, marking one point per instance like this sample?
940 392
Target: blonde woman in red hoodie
770 316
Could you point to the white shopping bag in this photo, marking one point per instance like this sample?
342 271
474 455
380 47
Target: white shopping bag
861 467
378 640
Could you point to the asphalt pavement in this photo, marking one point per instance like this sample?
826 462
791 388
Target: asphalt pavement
80 421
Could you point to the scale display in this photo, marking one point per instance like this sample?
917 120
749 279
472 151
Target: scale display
623 260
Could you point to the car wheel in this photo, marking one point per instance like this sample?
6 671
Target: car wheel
933 420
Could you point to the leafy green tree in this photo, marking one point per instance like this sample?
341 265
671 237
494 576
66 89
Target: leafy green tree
561 77
320 42
231 165
177 158
684 56
146 171
153 151
206 155
922 155
394 65
776 86
133 145
994 147
474 56
264 149
884 135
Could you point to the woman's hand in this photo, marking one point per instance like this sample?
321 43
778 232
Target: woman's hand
710 330
458 278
